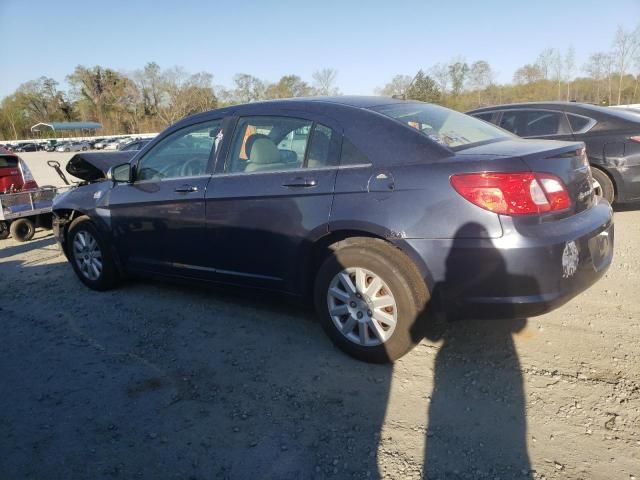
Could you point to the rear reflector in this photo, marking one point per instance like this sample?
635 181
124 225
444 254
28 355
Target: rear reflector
517 193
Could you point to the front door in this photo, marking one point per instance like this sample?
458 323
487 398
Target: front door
273 197
158 219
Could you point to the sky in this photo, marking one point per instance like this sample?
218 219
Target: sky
367 42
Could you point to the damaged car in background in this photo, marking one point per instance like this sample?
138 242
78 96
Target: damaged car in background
379 211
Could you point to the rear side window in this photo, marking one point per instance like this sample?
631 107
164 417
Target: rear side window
446 127
352 155
580 124
8 161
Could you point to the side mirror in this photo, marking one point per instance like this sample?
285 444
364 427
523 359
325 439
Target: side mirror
120 173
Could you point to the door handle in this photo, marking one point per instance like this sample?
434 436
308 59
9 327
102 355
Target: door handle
186 189
301 182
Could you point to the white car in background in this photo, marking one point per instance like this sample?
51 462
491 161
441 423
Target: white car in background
73 147
116 143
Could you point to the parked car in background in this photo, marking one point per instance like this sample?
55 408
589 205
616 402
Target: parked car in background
27 147
100 144
72 147
92 143
383 210
15 176
612 138
135 145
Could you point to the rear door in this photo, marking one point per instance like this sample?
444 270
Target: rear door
158 220
271 196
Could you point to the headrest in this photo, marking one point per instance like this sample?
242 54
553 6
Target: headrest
249 143
264 151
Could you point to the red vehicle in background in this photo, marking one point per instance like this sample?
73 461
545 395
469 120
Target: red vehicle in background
23 205
15 176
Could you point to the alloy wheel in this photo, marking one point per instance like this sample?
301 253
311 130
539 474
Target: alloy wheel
362 307
597 188
87 255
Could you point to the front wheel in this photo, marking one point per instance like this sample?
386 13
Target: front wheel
369 297
90 256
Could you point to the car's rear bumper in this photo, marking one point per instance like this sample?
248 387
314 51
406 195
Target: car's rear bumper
529 271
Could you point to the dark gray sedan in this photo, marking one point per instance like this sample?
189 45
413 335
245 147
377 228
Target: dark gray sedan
383 211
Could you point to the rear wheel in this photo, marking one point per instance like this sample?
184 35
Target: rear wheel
22 230
90 256
602 185
369 297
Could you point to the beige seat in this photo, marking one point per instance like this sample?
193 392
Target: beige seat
265 156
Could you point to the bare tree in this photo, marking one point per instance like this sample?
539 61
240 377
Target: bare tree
545 62
625 46
458 71
557 64
528 73
248 88
596 68
397 86
569 67
324 81
480 77
440 73
609 62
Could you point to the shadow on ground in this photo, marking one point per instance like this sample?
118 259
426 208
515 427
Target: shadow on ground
161 381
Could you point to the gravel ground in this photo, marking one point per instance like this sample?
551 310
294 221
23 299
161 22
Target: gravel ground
154 380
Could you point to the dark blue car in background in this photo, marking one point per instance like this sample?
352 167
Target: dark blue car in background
380 210
611 136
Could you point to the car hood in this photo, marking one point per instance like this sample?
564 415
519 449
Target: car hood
94 166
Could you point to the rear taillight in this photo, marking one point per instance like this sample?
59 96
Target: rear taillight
517 193
635 138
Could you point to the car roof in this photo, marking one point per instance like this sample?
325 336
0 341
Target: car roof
554 104
358 101
595 111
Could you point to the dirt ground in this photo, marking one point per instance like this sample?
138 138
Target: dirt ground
154 380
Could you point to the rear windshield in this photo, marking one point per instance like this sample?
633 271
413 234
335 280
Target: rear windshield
446 127
8 161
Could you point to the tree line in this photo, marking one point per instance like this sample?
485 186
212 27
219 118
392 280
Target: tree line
151 98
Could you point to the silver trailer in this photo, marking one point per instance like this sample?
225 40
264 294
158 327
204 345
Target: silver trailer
22 212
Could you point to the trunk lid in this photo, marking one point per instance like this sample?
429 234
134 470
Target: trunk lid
566 160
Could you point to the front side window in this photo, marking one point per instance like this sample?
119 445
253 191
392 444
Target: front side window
184 153
486 116
511 121
281 143
446 127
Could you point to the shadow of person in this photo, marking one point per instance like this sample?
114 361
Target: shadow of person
476 419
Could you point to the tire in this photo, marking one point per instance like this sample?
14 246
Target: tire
22 230
4 230
67 149
90 256
604 186
376 261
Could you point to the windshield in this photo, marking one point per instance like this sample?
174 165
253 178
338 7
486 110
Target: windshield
446 127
